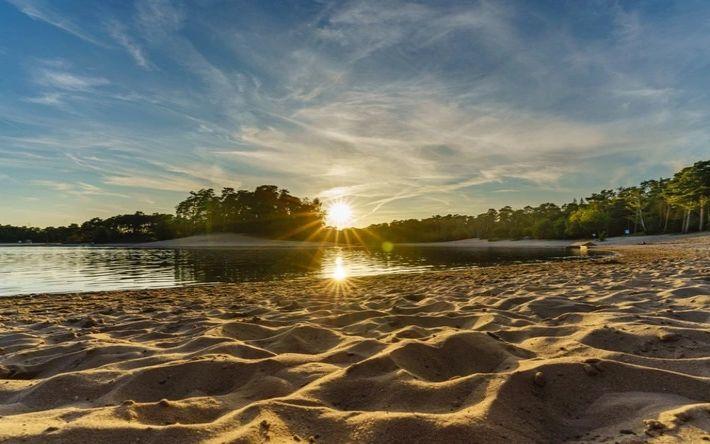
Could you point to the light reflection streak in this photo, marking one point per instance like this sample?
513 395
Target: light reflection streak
340 273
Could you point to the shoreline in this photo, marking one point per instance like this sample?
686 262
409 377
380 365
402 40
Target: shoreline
610 349
605 255
235 240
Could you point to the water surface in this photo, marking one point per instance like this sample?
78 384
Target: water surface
45 269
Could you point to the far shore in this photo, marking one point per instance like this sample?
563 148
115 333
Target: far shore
222 240
235 240
654 239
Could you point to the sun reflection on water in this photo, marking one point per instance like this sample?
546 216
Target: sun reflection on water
61 269
341 279
340 273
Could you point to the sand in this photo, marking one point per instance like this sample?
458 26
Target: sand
562 243
613 349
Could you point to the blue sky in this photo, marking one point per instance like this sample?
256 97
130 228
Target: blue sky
406 109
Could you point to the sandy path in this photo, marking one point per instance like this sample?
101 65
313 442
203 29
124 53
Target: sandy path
607 350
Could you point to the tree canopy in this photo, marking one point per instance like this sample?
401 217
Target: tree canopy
266 211
675 205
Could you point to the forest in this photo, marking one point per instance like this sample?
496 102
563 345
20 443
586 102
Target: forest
673 205
267 211
667 205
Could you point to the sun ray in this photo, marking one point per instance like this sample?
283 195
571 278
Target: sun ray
300 229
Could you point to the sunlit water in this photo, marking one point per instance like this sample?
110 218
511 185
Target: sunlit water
40 269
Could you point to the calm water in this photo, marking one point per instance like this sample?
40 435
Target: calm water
38 269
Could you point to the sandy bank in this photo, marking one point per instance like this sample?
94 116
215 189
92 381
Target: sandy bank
231 240
615 349
552 243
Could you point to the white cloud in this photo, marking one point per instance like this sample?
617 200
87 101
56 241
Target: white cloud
156 183
67 81
46 99
413 136
159 16
55 185
76 188
118 32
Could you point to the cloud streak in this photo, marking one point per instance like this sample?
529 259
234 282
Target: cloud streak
42 11
82 189
67 81
119 33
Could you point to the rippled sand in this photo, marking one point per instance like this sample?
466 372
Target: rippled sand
606 350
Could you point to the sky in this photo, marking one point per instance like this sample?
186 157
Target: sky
403 109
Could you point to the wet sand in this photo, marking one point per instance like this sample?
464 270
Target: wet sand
613 349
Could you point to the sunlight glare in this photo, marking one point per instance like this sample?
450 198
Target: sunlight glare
339 272
339 215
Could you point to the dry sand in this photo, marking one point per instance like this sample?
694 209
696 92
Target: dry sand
615 349
554 243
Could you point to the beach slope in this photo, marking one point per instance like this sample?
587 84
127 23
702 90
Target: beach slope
611 349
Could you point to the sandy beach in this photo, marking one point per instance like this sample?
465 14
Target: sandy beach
610 349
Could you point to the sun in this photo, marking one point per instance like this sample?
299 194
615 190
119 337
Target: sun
339 215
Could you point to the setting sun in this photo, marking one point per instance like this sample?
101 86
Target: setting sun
339 215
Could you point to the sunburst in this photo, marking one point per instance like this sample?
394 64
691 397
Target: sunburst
339 214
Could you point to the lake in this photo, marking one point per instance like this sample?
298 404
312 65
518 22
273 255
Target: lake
52 269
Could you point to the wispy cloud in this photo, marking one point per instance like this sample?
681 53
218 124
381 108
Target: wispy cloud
67 81
156 183
76 188
46 12
160 17
46 99
119 33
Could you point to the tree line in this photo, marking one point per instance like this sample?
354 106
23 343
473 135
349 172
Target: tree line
267 211
673 205
128 228
667 205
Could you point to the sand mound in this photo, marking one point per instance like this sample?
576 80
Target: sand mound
305 339
608 397
598 351
654 342
456 355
